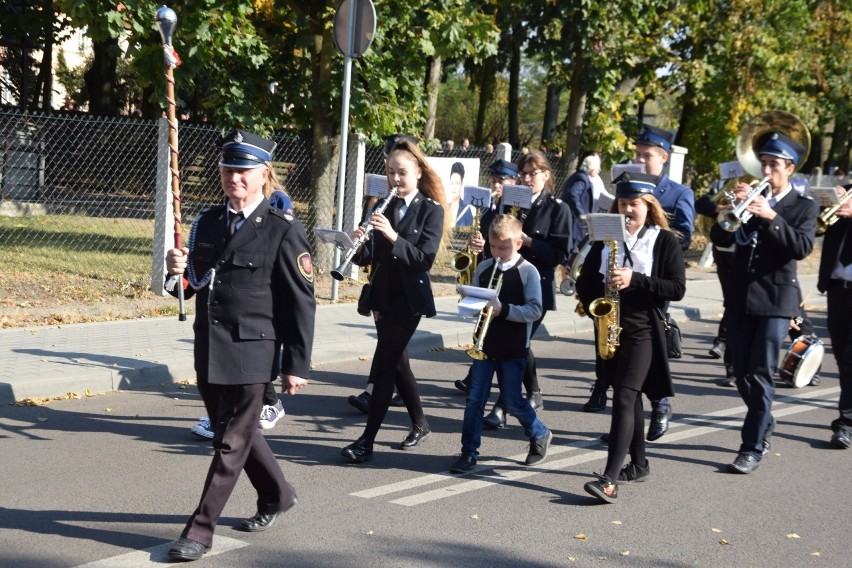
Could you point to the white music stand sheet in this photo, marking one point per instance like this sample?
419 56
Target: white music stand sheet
474 299
604 203
477 196
606 227
516 196
619 169
728 170
825 196
375 185
337 238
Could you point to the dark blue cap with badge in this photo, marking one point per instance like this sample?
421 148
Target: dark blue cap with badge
634 184
241 149
394 138
504 169
782 146
653 136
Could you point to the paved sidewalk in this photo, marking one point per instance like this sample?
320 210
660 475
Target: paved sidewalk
54 360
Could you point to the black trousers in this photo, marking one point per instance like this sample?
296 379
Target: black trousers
840 331
239 446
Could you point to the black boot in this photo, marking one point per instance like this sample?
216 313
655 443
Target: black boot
496 419
597 402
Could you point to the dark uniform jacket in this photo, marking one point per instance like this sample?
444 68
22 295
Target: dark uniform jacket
831 250
548 223
578 193
406 262
764 278
263 297
678 200
667 283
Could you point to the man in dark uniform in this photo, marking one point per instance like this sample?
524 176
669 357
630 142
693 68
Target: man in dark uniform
764 292
653 146
249 267
835 279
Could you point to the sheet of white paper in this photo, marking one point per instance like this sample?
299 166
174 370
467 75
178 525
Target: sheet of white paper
474 298
728 170
604 203
334 237
516 196
619 169
606 227
825 196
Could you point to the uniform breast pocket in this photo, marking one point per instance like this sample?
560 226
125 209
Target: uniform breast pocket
248 270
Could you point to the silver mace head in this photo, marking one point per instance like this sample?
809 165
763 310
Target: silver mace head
166 22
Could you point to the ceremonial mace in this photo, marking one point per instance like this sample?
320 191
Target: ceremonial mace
166 22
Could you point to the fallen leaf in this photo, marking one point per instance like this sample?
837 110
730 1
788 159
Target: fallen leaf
716 530
108 409
89 393
601 557
615 522
362 358
626 553
475 517
815 554
793 535
580 536
369 533
724 541
573 558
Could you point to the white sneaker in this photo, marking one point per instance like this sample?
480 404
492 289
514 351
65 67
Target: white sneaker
203 428
270 415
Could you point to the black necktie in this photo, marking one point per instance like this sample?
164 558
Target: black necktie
395 208
846 250
234 218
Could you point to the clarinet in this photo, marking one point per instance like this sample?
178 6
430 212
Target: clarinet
339 273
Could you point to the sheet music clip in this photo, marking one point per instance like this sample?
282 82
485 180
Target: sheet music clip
338 238
606 227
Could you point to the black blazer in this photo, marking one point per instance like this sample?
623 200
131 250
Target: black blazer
578 194
764 280
263 297
406 262
667 283
548 223
831 250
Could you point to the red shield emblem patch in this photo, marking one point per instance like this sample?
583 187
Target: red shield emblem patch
306 266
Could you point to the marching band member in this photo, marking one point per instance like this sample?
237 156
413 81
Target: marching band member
546 242
506 343
835 279
502 171
651 273
764 292
401 249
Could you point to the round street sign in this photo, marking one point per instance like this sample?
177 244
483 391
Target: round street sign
354 27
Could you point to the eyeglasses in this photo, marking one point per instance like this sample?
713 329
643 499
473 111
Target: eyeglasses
532 174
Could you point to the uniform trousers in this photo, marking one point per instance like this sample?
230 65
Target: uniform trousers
391 367
755 343
840 330
239 446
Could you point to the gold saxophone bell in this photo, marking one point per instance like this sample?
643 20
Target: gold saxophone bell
607 310
460 262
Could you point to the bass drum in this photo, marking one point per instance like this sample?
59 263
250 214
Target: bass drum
575 266
803 360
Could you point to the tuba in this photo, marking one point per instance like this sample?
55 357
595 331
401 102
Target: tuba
484 320
607 310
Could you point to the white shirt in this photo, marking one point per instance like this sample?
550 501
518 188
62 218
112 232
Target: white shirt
641 252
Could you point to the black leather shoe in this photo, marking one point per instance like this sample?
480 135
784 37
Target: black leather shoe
496 419
659 424
538 448
260 522
359 451
718 350
841 439
416 435
187 549
745 463
596 402
464 464
463 384
361 402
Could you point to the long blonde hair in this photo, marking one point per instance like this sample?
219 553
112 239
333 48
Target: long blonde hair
271 185
429 184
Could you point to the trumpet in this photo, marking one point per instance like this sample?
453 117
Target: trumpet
484 320
733 219
339 273
829 217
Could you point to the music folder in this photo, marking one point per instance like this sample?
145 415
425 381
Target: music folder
338 238
825 196
474 299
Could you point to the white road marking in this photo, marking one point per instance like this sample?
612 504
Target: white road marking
720 420
157 555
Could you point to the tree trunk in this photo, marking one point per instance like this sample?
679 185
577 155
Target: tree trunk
838 153
551 115
326 149
45 74
101 77
574 116
433 87
487 86
514 86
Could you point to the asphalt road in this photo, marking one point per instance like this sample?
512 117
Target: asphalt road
110 480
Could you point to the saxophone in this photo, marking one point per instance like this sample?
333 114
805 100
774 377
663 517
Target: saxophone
464 263
606 310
